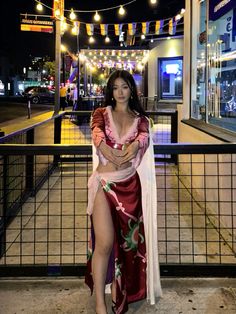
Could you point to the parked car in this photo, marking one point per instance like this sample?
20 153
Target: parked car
38 94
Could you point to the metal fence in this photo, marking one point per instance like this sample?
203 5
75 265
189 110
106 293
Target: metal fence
44 229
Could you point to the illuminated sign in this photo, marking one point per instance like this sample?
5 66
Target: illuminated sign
36 25
172 68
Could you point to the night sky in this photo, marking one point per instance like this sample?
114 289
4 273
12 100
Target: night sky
20 45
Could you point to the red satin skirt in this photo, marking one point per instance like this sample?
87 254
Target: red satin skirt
127 262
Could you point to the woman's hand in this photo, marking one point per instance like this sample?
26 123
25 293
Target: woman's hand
108 153
130 152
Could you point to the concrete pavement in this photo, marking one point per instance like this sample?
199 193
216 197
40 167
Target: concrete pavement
71 296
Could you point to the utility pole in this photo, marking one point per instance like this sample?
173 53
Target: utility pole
78 70
57 66
58 13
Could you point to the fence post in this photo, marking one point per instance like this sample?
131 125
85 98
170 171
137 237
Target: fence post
57 135
3 220
174 133
29 167
29 108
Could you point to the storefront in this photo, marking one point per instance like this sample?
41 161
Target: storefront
165 70
211 58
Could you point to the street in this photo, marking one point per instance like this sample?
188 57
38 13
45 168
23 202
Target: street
13 108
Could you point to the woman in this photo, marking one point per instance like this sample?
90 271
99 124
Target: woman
120 133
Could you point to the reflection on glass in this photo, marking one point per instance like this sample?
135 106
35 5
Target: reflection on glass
214 58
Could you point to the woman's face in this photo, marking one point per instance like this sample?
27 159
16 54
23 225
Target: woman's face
121 91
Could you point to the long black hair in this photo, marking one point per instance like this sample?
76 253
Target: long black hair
134 102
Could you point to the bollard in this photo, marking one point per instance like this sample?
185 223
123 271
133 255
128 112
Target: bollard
29 109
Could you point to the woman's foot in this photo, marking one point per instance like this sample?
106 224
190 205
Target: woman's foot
113 307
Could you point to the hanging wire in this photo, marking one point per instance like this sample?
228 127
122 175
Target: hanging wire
90 11
105 9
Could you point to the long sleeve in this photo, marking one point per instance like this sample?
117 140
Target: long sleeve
98 126
143 138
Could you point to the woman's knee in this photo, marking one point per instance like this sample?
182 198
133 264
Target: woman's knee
102 248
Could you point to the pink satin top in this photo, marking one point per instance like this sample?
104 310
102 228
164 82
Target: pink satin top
103 128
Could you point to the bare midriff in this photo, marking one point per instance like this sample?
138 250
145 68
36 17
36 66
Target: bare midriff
109 167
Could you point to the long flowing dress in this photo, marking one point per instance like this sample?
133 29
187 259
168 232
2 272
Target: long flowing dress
133 262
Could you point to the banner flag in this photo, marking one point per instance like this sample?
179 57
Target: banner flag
116 26
172 26
90 29
118 29
131 28
159 27
104 29
145 27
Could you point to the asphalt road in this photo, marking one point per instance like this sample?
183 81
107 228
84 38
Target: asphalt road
14 108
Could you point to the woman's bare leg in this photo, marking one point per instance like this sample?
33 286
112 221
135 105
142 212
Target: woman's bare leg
104 237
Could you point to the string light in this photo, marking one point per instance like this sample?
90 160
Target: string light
107 39
72 15
97 17
57 12
178 17
64 25
75 28
63 48
91 40
39 6
121 10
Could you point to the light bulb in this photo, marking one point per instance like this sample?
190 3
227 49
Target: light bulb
107 39
142 36
63 48
178 17
64 26
91 40
57 12
153 1
39 6
121 10
72 15
97 17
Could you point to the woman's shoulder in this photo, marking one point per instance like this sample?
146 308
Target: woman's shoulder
144 120
99 110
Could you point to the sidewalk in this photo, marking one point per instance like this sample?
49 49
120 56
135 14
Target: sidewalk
71 296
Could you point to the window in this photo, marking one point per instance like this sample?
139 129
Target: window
213 93
170 78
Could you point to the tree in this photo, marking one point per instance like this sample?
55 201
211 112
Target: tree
49 66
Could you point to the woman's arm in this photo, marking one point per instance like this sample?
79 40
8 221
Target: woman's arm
98 136
98 127
140 144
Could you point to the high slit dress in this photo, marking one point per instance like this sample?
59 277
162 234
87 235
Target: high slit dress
134 258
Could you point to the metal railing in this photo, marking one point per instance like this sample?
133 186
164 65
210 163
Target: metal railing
44 229
49 233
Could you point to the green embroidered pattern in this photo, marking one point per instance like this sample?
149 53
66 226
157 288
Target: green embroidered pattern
131 238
